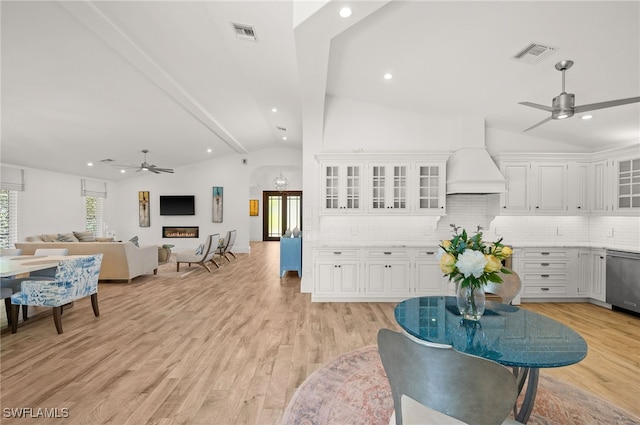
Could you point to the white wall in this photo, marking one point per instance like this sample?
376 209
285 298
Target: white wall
52 201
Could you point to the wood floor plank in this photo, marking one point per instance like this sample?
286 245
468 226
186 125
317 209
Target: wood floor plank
232 346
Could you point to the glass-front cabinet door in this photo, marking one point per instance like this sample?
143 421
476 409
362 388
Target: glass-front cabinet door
431 187
388 188
342 188
628 184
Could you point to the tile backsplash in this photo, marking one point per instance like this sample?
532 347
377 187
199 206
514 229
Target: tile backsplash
469 211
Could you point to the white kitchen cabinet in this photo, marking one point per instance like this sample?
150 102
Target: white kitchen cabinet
516 198
601 186
627 184
387 278
428 278
429 179
545 273
337 272
583 272
342 188
388 188
598 274
578 188
549 187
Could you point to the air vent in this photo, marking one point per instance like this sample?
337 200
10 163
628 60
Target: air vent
534 53
244 32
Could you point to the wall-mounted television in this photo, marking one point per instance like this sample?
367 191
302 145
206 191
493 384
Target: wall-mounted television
177 205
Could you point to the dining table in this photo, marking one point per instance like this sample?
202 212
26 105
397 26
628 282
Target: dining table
13 265
523 340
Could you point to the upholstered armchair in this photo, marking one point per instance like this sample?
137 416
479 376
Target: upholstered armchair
201 255
224 249
75 278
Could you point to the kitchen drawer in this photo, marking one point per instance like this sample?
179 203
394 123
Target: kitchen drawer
543 266
545 291
545 254
337 253
543 278
425 253
387 253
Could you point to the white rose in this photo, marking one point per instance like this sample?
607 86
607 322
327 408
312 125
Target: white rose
471 262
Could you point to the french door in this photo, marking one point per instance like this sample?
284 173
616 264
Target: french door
280 211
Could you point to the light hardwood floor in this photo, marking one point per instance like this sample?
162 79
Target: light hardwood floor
231 347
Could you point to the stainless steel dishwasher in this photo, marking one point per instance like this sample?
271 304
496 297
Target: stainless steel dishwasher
623 280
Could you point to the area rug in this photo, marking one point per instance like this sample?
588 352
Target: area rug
353 390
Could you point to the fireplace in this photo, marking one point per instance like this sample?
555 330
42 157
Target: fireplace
180 232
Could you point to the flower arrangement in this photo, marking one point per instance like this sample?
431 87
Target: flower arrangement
469 261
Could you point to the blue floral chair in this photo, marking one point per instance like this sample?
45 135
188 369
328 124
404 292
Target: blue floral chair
74 279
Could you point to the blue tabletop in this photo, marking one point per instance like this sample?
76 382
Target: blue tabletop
505 333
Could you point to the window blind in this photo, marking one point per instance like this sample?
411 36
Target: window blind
12 179
93 188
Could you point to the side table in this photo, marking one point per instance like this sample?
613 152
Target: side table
164 253
290 255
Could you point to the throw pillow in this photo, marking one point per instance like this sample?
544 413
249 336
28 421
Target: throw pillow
200 249
85 236
67 237
134 240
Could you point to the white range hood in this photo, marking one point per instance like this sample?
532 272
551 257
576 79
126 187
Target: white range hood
470 169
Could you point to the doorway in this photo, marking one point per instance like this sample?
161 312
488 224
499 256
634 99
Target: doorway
280 211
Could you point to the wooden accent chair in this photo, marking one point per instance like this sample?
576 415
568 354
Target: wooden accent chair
74 279
200 256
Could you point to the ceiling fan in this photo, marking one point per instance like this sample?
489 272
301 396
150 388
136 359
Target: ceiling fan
563 105
144 166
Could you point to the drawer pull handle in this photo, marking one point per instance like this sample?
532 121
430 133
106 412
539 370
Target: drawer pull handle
544 289
337 252
387 252
429 253
544 264
544 275
544 253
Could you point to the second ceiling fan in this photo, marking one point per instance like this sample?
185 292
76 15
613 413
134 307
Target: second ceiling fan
563 105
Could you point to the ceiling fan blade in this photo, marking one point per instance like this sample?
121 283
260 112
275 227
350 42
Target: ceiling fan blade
608 104
153 170
164 170
538 124
537 106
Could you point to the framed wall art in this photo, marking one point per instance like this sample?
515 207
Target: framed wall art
144 216
216 206
253 207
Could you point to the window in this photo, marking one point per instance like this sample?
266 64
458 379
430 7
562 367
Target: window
93 215
8 218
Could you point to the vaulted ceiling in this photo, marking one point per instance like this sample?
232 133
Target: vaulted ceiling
87 81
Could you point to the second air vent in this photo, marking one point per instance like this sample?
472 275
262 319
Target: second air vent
244 32
534 53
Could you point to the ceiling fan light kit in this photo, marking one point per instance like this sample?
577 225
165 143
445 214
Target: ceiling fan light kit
563 105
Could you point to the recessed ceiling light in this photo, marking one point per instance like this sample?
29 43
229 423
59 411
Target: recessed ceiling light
209 150
587 117
284 138
388 76
123 171
274 109
89 164
345 12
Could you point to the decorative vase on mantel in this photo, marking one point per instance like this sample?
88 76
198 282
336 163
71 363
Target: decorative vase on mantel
471 302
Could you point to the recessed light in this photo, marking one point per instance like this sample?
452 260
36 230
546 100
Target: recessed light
587 117
123 171
274 109
345 12
388 76
209 150
284 138
89 164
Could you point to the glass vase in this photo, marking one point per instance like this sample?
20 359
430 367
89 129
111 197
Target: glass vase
471 302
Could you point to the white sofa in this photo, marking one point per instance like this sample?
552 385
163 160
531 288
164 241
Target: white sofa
121 260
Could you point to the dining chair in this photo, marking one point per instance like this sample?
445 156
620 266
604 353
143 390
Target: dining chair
75 278
227 245
508 289
200 256
44 274
442 381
